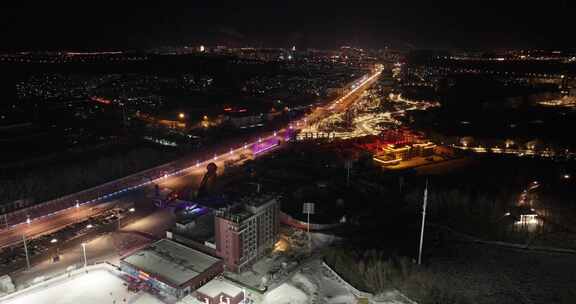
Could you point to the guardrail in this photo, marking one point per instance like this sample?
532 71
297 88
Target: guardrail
115 187
87 196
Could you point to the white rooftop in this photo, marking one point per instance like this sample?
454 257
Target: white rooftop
171 261
98 286
217 286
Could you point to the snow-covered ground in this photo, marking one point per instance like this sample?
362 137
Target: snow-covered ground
314 284
327 288
286 294
96 287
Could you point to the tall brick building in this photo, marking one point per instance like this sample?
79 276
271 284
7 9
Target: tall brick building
244 232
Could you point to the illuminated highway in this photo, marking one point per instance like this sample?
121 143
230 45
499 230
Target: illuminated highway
266 143
68 216
57 221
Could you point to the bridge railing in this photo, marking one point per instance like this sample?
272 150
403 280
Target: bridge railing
106 190
93 194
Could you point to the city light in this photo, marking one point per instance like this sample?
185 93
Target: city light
528 219
348 125
166 175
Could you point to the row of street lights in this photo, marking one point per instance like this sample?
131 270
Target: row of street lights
55 241
182 115
78 204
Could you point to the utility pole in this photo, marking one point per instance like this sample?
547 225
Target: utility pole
423 223
84 253
26 252
348 165
118 220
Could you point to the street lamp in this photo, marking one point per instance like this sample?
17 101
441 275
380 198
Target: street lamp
77 207
181 115
55 258
131 209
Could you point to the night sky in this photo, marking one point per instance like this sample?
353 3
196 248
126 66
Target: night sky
404 24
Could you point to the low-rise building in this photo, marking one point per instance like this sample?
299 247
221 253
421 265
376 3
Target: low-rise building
172 268
219 291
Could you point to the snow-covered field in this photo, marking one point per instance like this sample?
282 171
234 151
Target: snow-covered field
286 294
96 287
314 284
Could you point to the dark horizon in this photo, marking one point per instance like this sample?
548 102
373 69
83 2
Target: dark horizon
416 24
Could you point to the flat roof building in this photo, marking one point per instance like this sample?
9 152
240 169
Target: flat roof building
219 291
171 267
